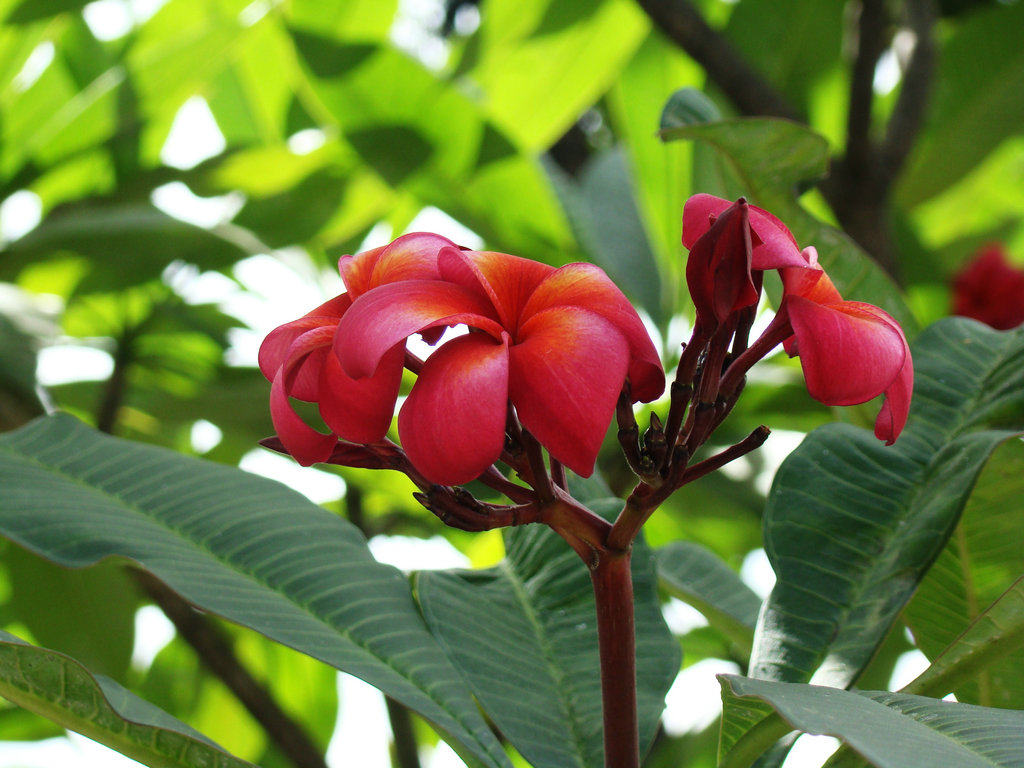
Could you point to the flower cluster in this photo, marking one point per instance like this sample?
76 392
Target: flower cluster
990 289
850 351
548 350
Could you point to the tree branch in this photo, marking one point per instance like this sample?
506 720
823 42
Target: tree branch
725 66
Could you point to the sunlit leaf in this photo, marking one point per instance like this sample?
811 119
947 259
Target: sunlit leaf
58 687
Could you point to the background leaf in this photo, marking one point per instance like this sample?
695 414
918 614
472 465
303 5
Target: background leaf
851 525
58 687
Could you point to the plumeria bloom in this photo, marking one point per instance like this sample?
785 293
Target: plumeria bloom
729 244
558 344
298 356
989 289
850 351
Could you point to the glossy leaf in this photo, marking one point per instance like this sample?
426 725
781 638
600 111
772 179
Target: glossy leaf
524 635
976 104
892 730
239 546
852 526
59 688
697 576
966 604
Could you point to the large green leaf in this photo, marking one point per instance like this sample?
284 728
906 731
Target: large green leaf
58 687
976 104
775 159
524 635
699 577
982 559
996 636
851 525
892 730
240 546
542 63
127 243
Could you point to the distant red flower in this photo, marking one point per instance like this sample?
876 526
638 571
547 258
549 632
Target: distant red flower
558 344
989 289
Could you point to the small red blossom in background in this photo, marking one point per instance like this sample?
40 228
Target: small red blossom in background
850 351
990 289
556 344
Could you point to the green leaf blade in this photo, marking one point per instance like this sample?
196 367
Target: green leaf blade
245 548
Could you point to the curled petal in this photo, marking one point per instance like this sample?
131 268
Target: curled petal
850 352
587 287
360 410
506 281
774 245
384 316
810 283
565 376
718 267
893 416
409 257
452 425
274 349
304 443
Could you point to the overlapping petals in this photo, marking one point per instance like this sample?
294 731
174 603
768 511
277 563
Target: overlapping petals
558 344
298 357
850 351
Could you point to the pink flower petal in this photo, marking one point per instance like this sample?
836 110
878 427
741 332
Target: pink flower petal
588 287
506 281
718 268
384 316
304 443
409 257
850 352
777 247
565 376
453 423
893 416
274 348
360 410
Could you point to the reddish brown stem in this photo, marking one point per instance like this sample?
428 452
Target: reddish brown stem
613 592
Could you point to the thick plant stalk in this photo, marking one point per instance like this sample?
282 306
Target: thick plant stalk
613 592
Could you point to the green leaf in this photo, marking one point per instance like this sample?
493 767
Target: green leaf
992 637
604 214
239 546
99 633
542 63
892 730
28 11
851 525
699 577
964 603
524 635
688 106
127 243
976 105
59 688
774 160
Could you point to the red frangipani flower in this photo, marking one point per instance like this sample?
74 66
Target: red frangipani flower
558 344
298 356
990 289
850 351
